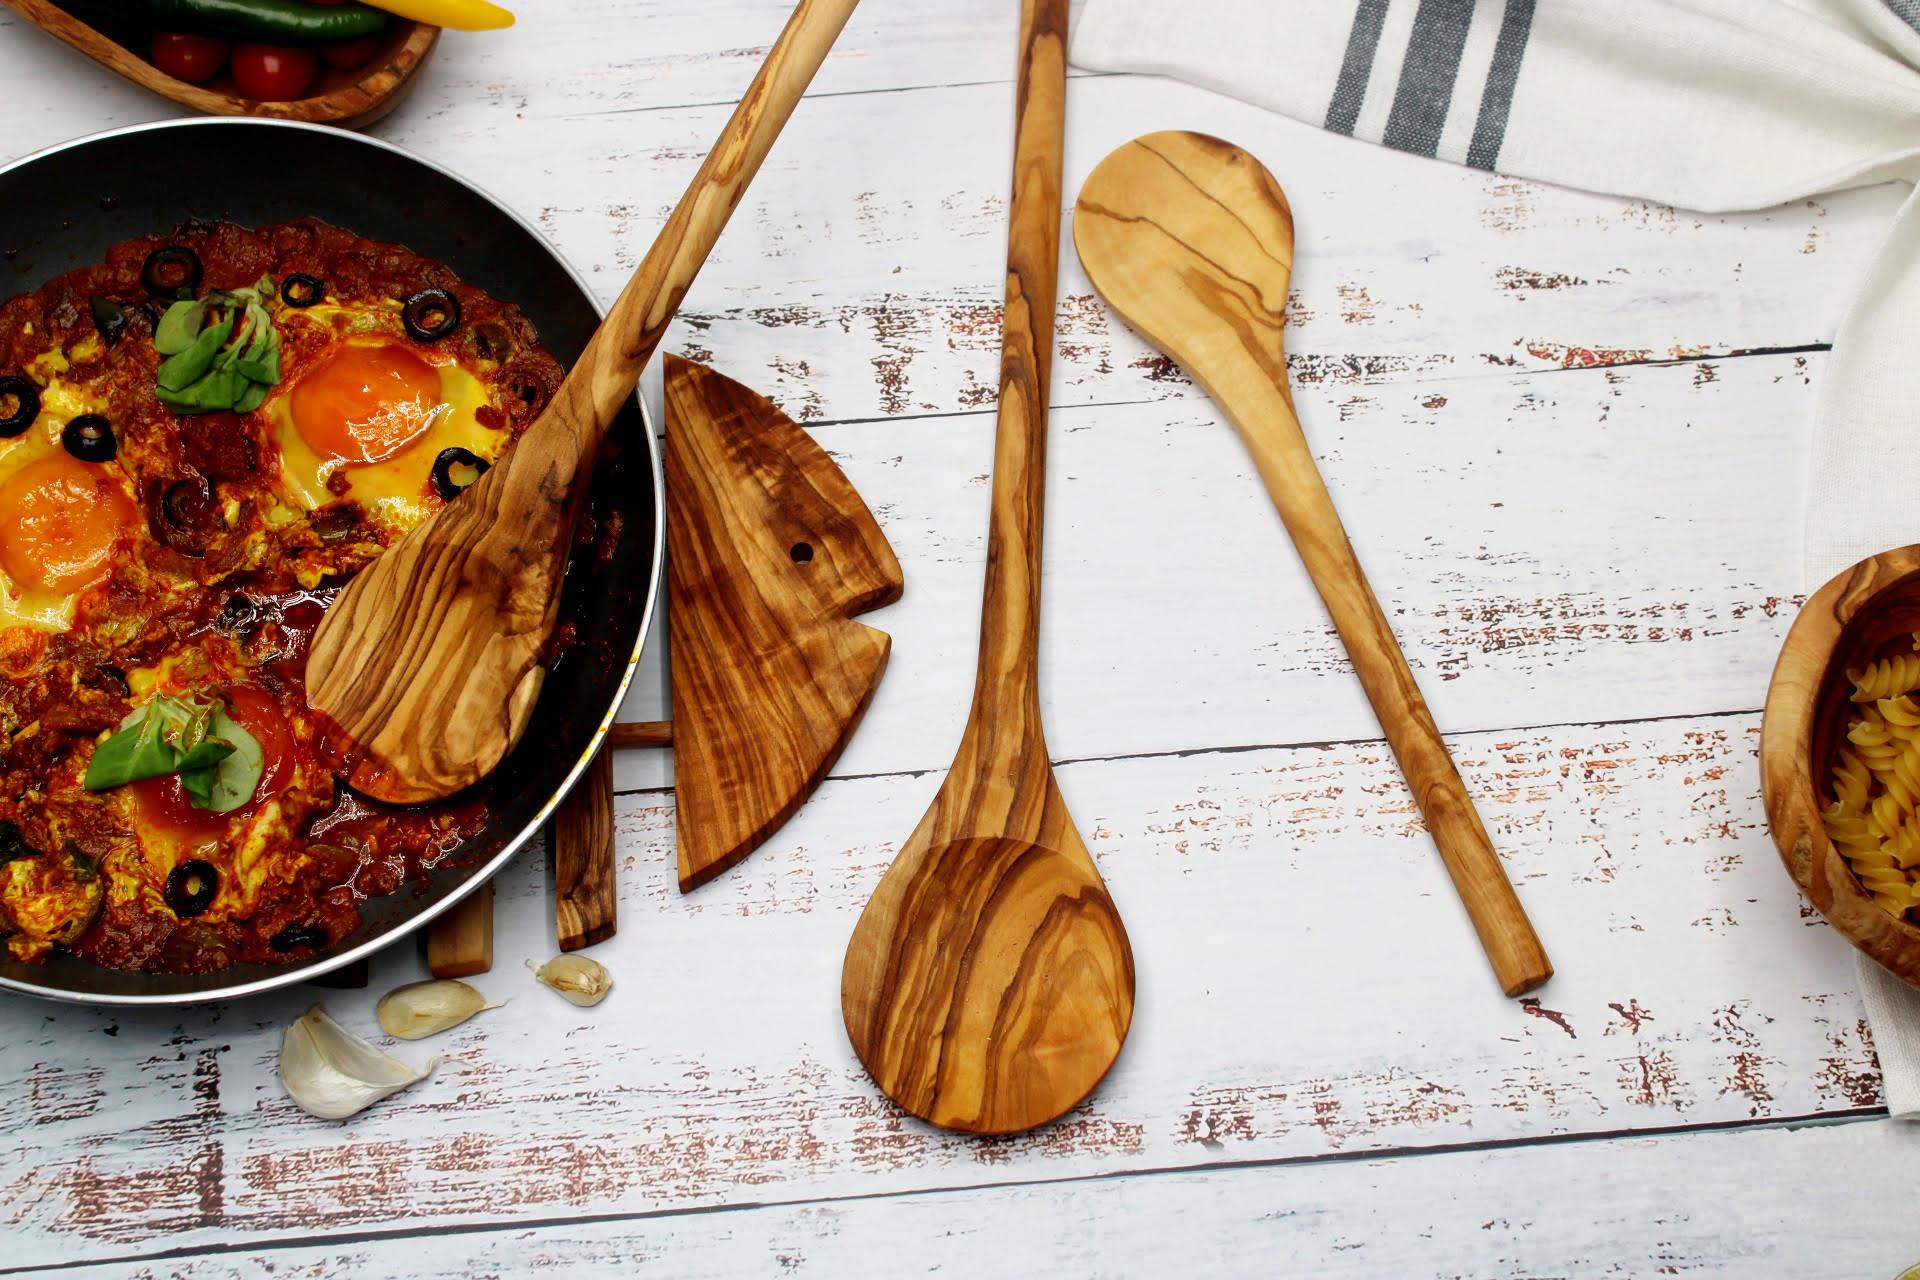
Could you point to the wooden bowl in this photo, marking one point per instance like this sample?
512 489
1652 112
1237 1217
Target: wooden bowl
1868 612
346 98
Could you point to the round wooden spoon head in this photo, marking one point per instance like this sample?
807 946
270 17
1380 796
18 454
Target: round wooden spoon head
1167 202
989 984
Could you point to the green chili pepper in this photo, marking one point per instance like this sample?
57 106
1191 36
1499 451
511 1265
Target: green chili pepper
274 21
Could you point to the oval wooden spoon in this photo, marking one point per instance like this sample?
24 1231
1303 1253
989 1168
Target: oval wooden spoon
1190 239
346 98
989 983
430 659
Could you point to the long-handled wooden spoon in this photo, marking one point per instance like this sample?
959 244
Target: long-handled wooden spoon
989 984
430 658
1190 239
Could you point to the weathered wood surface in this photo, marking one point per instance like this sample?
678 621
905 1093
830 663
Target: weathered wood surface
1590 571
1672 1205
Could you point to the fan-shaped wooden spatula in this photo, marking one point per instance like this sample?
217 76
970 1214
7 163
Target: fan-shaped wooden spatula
989 983
430 658
1190 239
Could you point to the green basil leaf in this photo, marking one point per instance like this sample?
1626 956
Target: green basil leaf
189 365
220 389
179 326
146 745
252 397
230 783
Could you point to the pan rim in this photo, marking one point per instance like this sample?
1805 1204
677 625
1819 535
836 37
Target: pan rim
482 872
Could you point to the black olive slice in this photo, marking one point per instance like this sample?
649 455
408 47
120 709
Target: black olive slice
431 315
302 290
25 399
183 515
172 272
89 438
299 935
109 318
13 844
491 341
455 469
191 887
239 615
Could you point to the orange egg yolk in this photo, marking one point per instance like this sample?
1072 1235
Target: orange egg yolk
366 402
60 519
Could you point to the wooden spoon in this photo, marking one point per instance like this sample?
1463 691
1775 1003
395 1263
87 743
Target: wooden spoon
346 98
1190 239
430 659
989 983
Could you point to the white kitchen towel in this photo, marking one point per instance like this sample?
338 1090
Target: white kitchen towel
1714 105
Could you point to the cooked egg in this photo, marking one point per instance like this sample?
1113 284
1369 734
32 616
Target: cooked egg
60 518
366 418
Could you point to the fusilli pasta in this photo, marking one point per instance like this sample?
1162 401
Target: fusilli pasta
1874 820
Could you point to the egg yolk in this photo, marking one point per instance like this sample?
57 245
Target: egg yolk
366 402
60 519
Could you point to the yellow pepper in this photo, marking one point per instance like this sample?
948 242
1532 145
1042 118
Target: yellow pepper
459 15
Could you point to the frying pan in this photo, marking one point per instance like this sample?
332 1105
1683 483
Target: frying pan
65 207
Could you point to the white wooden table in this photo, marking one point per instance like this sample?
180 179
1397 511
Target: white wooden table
1567 434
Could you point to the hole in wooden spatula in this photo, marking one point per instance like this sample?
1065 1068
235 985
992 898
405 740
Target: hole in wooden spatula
801 552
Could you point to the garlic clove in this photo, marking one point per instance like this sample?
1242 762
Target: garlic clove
421 1009
333 1074
581 979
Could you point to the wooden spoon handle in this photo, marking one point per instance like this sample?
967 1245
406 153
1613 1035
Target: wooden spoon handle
1006 689
603 377
1265 418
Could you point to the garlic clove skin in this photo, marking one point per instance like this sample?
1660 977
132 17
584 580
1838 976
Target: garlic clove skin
581 979
333 1074
422 1009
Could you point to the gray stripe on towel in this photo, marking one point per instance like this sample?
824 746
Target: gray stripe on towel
1908 11
1491 129
1351 89
1427 76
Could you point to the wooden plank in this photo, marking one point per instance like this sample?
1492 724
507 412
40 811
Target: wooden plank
1694 987
877 294
1749 1202
1535 566
460 943
586 898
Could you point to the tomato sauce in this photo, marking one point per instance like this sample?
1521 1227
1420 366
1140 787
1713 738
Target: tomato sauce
220 568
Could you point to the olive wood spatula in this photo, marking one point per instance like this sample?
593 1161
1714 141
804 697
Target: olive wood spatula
1190 240
429 659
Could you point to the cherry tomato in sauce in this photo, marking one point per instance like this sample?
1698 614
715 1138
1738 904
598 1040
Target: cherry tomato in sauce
272 72
184 56
346 55
164 803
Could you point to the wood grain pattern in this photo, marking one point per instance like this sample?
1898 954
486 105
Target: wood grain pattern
989 983
460 942
641 733
586 898
1863 614
770 554
349 99
1190 239
1605 720
429 659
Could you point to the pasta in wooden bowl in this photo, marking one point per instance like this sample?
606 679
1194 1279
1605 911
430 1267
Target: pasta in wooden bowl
1840 756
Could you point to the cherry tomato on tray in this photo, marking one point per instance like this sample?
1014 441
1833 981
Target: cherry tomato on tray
272 72
195 59
345 55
